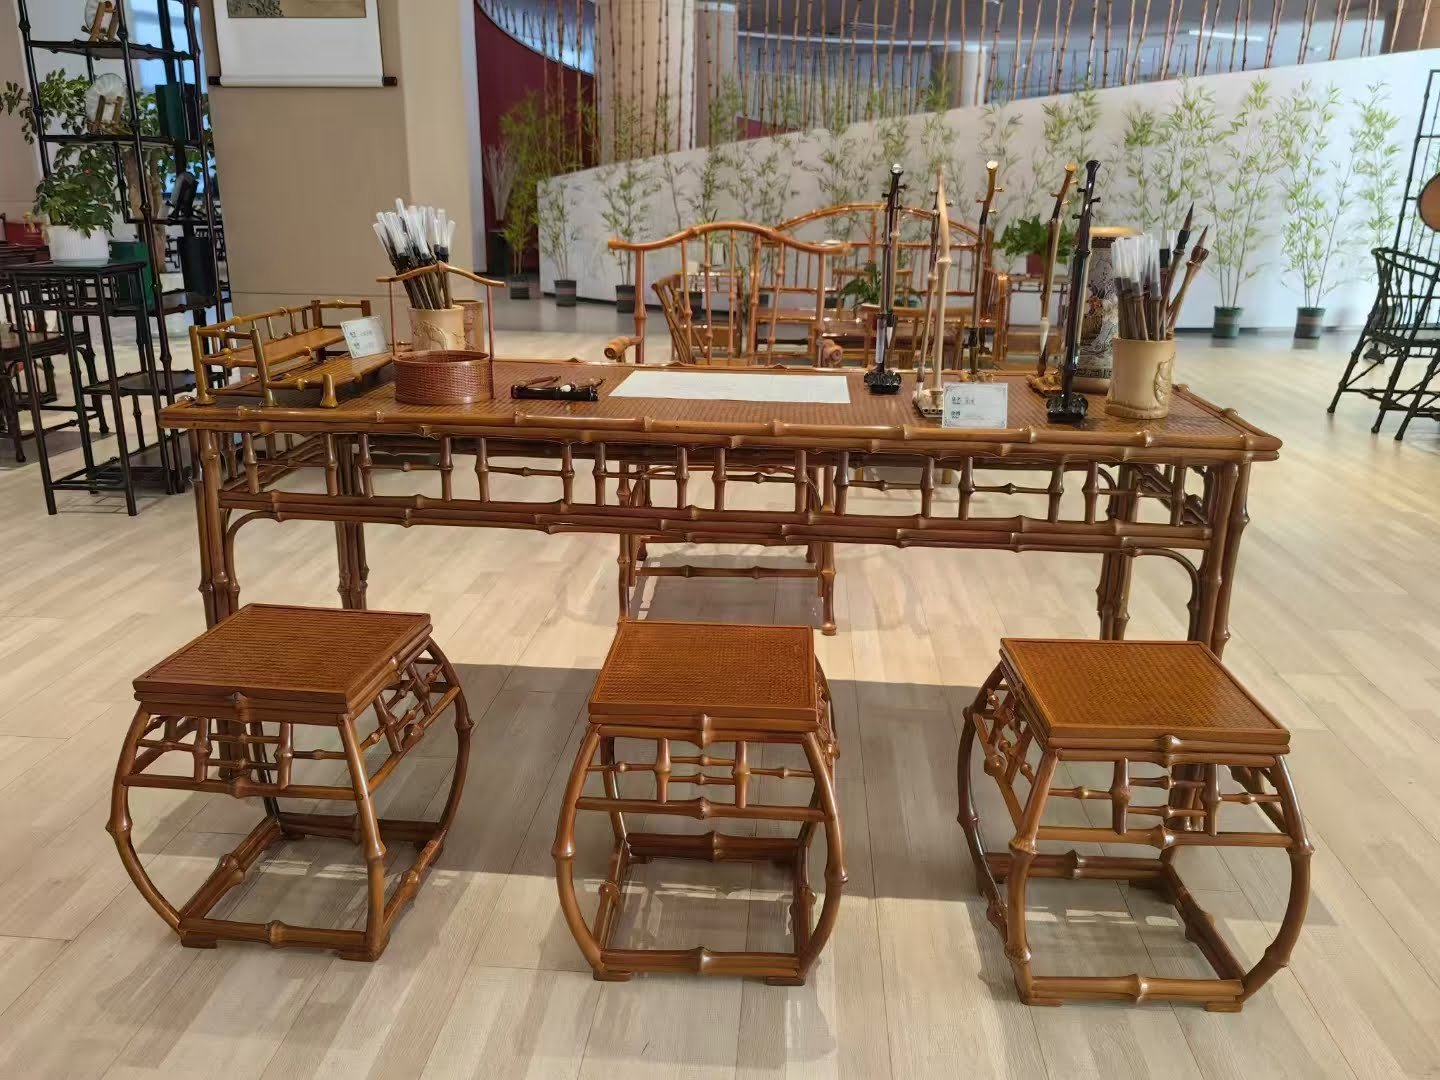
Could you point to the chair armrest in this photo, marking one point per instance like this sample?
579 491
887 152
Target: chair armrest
616 348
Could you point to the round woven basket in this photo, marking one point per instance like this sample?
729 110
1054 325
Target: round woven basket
441 378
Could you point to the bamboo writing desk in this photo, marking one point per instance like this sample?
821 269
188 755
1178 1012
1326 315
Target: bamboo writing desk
1174 488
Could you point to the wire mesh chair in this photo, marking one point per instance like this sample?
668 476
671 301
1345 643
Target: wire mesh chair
1403 323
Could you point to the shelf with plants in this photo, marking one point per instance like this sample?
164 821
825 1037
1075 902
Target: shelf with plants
110 150
110 50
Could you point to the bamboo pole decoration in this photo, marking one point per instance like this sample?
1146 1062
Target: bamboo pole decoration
796 81
1204 13
662 65
809 99
1305 23
1064 47
1129 44
1034 35
1210 41
1235 34
1398 20
890 57
580 160
854 84
1134 72
980 69
906 77
1105 49
1090 47
1276 7
1424 18
1342 12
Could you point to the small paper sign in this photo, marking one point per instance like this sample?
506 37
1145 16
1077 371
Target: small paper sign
976 405
364 337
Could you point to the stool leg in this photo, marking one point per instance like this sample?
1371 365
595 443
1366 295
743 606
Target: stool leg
970 820
1277 955
376 929
1023 849
463 727
564 854
120 824
811 943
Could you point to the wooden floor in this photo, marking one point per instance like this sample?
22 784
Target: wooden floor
1336 628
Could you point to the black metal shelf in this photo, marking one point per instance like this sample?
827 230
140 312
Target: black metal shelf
164 142
110 50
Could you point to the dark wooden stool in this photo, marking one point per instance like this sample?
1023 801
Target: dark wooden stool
702 684
1169 704
254 684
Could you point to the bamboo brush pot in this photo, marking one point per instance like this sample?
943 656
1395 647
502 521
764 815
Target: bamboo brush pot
437 329
1140 381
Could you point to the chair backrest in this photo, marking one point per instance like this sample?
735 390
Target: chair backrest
862 226
738 290
1405 300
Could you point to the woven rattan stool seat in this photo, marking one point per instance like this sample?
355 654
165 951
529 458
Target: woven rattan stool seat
241 705
289 654
1088 690
666 685
676 671
1186 756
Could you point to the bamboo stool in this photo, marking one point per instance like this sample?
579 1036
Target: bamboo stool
702 684
1170 704
253 683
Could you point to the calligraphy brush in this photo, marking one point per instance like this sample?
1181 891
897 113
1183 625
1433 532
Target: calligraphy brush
1178 255
1197 258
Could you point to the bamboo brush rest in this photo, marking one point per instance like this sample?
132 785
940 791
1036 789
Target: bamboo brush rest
441 329
1140 382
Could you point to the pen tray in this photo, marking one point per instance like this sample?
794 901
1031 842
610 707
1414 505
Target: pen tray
555 393
442 377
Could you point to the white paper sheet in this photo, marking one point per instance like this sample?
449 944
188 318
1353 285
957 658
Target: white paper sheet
736 386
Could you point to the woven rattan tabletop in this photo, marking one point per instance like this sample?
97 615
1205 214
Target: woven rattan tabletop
265 652
1192 423
686 670
1135 689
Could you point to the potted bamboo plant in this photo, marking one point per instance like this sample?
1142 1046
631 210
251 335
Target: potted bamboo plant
629 185
557 235
1236 185
78 199
1315 190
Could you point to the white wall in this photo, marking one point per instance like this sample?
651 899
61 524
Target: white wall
1269 299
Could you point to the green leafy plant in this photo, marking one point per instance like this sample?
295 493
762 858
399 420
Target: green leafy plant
81 192
999 127
863 288
1031 236
629 184
542 148
1236 186
1315 190
719 159
1377 168
1068 132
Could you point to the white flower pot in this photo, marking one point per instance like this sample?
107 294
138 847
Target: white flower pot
71 245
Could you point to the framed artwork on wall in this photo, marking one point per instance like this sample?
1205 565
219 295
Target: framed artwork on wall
298 42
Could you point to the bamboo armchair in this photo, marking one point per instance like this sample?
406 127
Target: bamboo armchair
286 349
972 284
737 293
